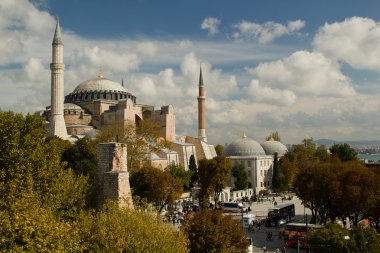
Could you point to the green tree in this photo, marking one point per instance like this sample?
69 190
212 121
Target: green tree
213 175
330 239
27 226
157 186
123 230
344 152
276 177
194 171
211 231
31 165
333 238
219 150
182 174
274 135
241 177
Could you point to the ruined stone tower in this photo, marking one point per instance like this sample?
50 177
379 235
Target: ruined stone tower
113 177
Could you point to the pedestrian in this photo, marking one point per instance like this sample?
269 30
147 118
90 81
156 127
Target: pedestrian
283 250
277 250
265 249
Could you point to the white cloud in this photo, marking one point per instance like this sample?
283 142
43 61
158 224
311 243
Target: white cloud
147 48
266 32
270 95
211 25
305 73
354 41
298 93
186 44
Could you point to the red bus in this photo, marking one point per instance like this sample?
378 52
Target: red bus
297 233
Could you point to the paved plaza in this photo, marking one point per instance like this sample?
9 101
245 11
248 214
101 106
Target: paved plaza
259 235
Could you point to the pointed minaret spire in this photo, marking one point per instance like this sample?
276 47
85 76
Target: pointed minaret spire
200 77
57 34
122 82
57 124
201 109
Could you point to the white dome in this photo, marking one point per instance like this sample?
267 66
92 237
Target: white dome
99 84
244 147
273 146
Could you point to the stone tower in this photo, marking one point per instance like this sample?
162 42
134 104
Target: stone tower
57 124
201 110
112 180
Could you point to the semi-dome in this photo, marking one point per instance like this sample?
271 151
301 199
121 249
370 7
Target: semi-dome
244 147
99 84
270 147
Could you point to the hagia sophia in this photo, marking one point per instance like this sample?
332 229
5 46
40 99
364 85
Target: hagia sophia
100 101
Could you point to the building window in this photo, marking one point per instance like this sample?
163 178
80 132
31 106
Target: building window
261 172
261 163
249 164
265 172
249 173
261 184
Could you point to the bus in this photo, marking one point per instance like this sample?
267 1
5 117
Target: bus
280 214
233 207
296 234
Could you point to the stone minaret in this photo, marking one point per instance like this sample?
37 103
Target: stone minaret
57 125
201 110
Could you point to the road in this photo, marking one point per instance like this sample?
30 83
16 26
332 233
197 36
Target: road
259 236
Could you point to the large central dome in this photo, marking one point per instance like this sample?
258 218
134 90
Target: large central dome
244 147
98 88
99 84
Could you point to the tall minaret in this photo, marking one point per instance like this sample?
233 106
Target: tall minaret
57 124
201 109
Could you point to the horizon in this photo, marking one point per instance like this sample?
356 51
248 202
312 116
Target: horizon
302 69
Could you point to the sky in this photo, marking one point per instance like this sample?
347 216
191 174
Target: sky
300 67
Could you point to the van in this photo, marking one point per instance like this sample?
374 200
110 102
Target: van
233 207
248 219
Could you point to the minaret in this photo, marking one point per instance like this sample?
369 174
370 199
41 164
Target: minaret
201 109
57 124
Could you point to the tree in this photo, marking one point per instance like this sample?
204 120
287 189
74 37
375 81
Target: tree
157 186
179 172
330 239
123 230
141 140
219 150
29 227
40 198
31 165
276 177
211 231
358 190
194 171
213 178
240 174
344 152
274 135
333 238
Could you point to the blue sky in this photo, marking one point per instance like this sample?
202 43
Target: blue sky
303 68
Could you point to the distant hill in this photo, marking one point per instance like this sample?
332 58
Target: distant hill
329 142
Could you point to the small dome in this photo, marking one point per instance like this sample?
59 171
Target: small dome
273 146
244 147
99 84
